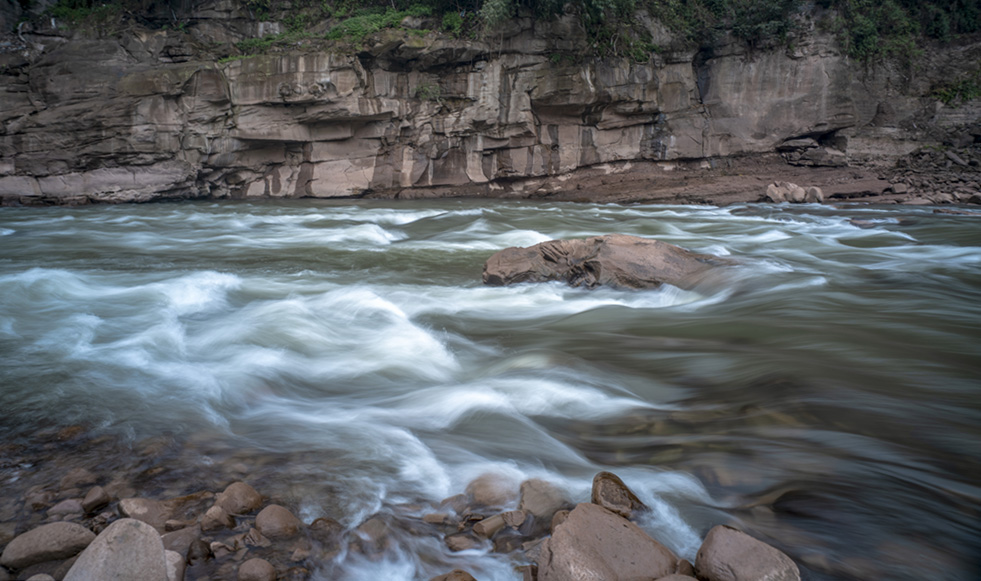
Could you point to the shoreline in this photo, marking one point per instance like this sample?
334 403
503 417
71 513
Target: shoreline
226 525
924 177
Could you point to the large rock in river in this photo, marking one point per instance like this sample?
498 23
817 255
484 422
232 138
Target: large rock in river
615 260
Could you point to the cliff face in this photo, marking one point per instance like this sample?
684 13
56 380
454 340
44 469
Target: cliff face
139 116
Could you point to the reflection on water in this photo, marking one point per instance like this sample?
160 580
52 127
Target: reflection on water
345 358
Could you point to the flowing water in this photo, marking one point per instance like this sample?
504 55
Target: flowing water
344 357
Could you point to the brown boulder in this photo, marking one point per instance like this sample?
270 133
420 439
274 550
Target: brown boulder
179 541
491 490
96 498
276 522
153 512
256 570
239 498
542 499
216 518
731 555
612 494
49 542
594 543
613 260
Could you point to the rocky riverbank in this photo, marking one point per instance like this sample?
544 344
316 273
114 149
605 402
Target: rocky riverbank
92 525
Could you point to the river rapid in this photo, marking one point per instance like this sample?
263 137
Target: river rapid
344 358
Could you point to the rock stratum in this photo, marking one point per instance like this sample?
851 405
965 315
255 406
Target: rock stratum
143 114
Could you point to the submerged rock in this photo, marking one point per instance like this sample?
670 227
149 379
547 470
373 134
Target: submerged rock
615 260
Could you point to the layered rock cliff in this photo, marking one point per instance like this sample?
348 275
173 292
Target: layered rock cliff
150 114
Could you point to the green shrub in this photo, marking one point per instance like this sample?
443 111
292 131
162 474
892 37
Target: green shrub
357 28
452 23
967 89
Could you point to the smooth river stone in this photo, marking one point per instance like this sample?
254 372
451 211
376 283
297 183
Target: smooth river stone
48 542
731 555
277 522
128 549
239 498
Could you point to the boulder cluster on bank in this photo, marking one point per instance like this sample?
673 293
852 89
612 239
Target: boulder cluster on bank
950 175
237 535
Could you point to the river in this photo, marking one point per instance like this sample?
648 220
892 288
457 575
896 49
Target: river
343 356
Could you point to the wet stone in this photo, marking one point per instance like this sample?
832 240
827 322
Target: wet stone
487 527
256 570
611 493
48 542
594 543
728 554
37 498
685 567
239 498
198 551
254 538
559 518
277 522
127 549
373 536
542 500
96 498
67 507
175 565
461 542
326 531
180 541
436 518
153 512
216 518
76 478
490 490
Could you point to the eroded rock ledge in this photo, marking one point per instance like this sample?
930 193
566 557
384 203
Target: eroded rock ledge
150 115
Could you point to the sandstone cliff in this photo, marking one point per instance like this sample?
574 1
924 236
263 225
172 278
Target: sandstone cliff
147 114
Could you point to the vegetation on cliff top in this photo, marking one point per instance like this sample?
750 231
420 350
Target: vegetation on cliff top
867 29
